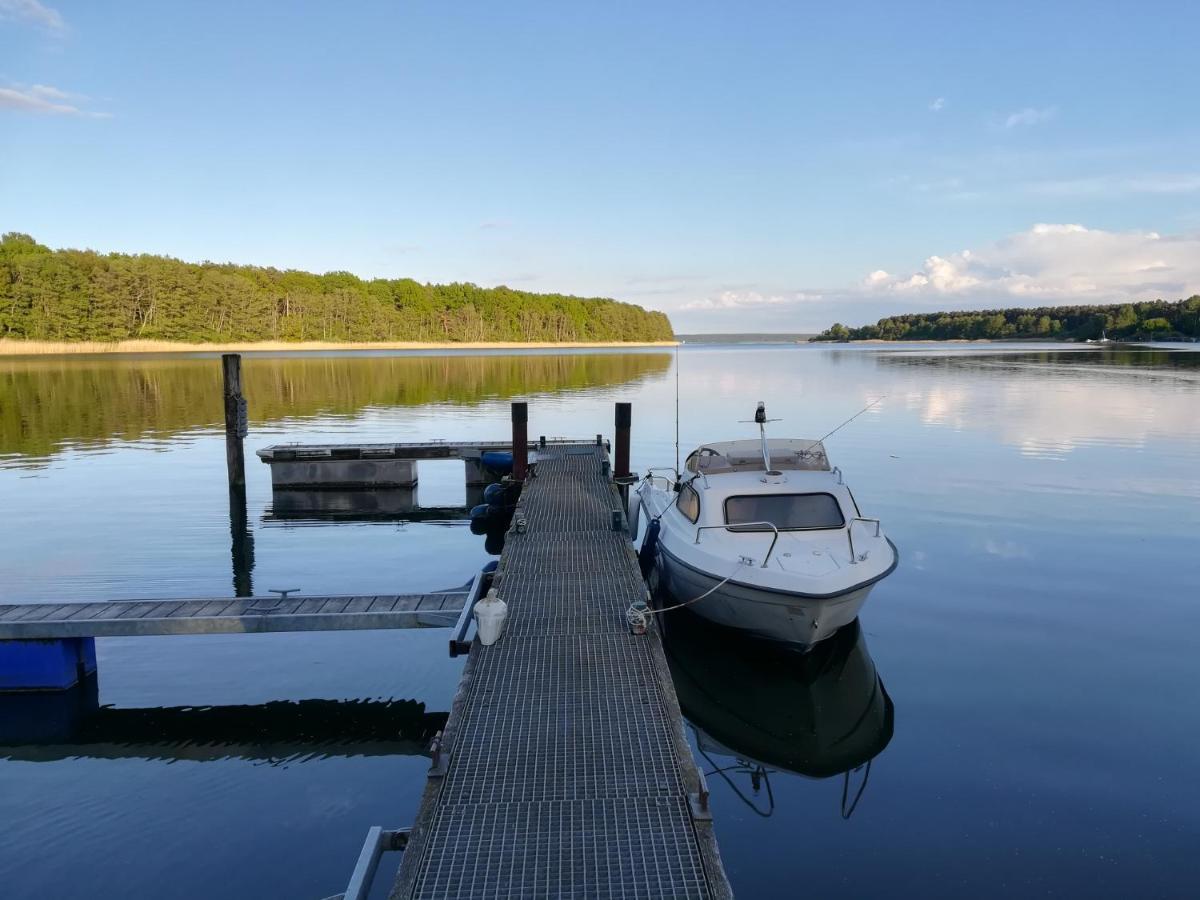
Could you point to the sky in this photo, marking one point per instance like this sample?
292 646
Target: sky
742 167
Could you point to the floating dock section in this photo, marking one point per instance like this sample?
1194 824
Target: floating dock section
374 465
563 769
50 646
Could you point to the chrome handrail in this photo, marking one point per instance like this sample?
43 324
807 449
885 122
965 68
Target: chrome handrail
650 476
728 527
854 560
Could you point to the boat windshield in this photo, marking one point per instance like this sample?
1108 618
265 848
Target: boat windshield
787 512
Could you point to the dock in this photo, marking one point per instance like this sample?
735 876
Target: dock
392 465
129 618
563 769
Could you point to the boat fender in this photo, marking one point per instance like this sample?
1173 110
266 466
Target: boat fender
649 549
494 494
480 516
490 613
497 460
634 513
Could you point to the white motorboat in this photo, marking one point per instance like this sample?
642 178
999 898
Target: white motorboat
763 536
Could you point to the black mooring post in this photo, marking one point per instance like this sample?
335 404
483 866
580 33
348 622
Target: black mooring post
624 419
235 419
520 440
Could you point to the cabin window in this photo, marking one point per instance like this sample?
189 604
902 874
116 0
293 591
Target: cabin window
787 512
689 502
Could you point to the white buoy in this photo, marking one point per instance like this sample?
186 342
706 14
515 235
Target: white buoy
634 513
490 613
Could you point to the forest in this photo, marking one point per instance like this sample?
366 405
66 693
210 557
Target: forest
1154 320
81 295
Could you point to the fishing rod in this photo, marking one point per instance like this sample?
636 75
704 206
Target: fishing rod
874 402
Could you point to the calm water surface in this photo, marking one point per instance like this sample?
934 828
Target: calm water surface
1023 685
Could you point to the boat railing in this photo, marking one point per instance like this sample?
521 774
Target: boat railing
745 526
854 558
650 476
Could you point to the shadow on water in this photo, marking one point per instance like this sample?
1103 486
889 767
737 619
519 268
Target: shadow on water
48 405
758 708
72 724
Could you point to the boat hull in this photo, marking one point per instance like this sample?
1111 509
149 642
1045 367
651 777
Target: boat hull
787 618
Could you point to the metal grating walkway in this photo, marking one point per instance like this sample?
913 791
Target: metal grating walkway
567 773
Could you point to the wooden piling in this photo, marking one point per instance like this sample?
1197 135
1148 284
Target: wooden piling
520 440
235 419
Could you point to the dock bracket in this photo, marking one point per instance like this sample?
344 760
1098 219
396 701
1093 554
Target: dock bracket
698 801
439 756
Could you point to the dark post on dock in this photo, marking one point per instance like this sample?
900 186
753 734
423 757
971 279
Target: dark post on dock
235 419
624 419
520 440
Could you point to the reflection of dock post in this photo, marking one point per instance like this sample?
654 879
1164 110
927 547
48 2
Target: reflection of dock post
235 419
520 440
241 543
241 539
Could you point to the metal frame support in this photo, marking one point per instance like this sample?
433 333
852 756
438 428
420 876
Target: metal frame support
378 840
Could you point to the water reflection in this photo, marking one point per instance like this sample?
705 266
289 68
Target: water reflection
48 405
72 724
758 709
241 543
1050 403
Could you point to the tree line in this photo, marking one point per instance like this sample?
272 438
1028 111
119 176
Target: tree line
1159 320
81 295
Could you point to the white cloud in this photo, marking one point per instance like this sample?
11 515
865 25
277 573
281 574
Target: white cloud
938 105
31 11
1030 116
1057 263
41 98
747 300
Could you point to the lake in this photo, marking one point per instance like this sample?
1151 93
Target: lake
1023 685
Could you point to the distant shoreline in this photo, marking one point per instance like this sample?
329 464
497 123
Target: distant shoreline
65 348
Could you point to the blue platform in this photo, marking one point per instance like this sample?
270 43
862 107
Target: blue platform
46 665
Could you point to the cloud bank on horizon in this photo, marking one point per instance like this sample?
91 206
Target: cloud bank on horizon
1046 265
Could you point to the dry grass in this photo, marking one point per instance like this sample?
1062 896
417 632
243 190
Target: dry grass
48 348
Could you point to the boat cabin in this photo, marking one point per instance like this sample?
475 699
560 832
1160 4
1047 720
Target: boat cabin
800 491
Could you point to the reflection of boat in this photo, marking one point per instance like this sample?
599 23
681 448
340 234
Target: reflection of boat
820 714
765 536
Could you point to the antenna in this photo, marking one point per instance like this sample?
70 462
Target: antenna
760 419
676 412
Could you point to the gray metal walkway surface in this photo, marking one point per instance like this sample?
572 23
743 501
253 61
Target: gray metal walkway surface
566 771
113 618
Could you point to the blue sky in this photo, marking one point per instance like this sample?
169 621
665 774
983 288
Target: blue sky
740 166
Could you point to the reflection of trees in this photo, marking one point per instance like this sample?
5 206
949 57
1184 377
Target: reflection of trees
45 403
